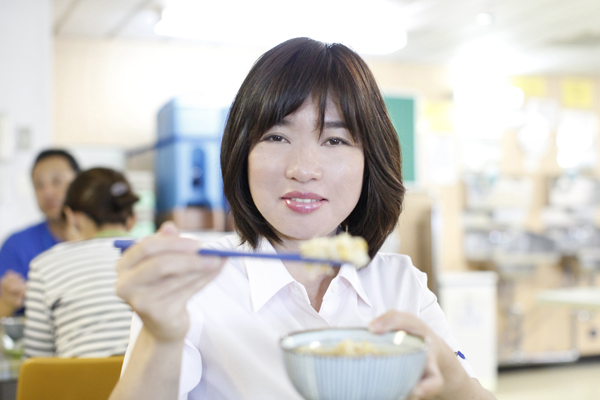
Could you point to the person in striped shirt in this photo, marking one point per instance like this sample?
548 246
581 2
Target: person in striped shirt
71 306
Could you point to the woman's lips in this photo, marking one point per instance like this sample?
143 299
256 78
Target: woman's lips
302 202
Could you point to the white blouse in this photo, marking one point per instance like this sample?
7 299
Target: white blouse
232 347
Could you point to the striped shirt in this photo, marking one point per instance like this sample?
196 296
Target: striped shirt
71 308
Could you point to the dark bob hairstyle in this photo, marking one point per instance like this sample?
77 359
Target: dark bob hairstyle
103 194
276 86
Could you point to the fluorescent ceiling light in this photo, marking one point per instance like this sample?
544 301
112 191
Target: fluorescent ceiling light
369 27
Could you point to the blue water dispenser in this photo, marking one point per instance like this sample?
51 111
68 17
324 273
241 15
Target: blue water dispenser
187 164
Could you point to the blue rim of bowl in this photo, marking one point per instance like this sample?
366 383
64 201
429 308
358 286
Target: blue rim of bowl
424 346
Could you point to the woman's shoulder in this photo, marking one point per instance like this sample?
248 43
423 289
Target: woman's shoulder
226 242
391 281
400 262
393 267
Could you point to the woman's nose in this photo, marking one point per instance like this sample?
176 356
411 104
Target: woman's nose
304 164
49 191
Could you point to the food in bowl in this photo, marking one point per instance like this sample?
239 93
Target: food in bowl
346 347
353 363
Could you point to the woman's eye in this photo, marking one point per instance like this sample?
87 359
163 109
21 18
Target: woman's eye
273 138
335 142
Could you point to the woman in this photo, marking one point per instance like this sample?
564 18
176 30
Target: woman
308 150
52 172
72 309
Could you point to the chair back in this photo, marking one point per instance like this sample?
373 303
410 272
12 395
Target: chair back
55 378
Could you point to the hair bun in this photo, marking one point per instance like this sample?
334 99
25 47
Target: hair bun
118 189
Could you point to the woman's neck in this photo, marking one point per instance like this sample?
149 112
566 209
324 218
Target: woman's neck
108 230
315 279
58 229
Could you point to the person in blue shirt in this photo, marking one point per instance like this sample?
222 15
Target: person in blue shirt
52 173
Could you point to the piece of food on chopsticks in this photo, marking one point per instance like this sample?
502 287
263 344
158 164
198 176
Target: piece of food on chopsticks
343 248
319 252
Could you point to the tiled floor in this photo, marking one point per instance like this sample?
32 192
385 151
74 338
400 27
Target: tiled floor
579 381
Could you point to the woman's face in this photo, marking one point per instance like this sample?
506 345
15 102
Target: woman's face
303 183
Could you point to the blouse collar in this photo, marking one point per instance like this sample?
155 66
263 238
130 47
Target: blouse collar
268 276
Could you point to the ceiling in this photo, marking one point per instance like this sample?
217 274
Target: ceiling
524 37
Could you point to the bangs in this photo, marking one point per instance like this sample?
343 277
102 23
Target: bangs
315 69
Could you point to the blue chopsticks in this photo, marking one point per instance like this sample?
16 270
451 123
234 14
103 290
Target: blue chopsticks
124 244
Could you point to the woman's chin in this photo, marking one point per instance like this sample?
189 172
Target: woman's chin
304 234
53 216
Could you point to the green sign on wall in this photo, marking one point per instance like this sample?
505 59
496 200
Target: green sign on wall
402 113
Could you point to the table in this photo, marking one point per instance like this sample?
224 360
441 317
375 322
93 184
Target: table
575 298
580 298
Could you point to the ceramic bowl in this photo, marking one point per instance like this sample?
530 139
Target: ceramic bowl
390 373
13 326
11 338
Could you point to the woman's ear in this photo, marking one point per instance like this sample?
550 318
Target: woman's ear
130 222
73 227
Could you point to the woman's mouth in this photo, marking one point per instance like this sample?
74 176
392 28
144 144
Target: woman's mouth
299 200
303 202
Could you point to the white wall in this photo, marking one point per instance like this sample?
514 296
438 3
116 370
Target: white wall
25 98
107 92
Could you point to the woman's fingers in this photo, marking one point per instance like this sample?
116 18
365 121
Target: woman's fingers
157 277
13 282
161 266
432 381
12 289
14 276
162 274
155 245
162 304
166 240
168 228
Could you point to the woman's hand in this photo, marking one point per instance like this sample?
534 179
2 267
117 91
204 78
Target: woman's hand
12 293
159 275
444 377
